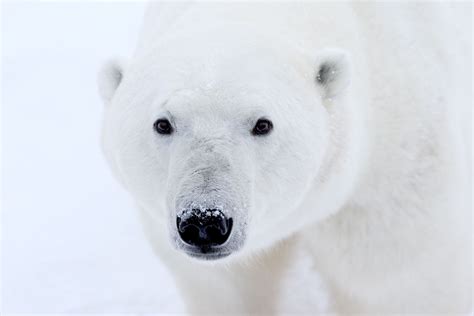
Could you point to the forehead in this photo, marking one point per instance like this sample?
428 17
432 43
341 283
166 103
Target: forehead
225 86
213 102
211 83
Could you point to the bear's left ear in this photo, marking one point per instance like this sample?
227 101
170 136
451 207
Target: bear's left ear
109 78
333 72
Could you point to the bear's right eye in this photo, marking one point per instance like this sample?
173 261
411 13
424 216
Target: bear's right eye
163 126
262 127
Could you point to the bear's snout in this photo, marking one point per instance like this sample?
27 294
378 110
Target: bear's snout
203 229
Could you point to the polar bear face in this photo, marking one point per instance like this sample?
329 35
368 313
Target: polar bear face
219 158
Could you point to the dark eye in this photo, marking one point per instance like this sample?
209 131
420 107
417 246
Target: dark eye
262 127
163 126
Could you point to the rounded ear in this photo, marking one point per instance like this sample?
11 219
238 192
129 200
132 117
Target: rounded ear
109 78
333 72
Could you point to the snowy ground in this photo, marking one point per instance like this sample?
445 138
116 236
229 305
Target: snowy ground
71 241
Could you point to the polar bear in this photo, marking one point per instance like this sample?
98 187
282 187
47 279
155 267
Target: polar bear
252 135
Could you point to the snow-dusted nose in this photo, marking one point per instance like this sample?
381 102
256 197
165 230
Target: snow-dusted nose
203 229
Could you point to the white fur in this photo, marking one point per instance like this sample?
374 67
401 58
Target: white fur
367 175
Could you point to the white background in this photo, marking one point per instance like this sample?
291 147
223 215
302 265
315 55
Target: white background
71 240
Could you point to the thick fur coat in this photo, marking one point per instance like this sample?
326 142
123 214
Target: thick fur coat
365 176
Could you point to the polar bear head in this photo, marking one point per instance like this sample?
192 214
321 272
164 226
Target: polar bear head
223 149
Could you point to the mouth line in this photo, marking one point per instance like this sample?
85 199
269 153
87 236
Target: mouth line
206 255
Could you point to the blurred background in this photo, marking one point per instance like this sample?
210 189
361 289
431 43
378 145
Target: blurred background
71 240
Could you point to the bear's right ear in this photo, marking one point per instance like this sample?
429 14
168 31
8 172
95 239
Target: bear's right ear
333 72
109 79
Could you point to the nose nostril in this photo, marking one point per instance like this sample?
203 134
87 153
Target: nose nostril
204 228
188 232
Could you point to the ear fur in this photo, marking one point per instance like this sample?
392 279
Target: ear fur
109 78
333 72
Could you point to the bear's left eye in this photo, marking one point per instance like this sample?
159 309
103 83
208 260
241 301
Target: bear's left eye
163 126
262 127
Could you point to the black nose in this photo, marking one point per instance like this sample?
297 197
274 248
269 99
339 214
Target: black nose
204 228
